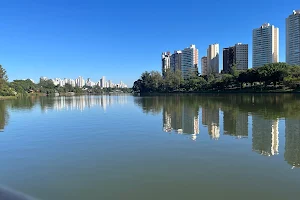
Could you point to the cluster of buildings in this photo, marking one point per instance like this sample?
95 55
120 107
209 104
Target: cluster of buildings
80 82
265 50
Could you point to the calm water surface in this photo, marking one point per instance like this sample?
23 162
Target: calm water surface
162 147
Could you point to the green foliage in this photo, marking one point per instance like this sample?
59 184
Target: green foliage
5 90
269 76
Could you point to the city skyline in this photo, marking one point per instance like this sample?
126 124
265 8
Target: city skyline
265 50
81 82
42 41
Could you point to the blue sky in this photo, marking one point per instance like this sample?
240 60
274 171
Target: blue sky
122 39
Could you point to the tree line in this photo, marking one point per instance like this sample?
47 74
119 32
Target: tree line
46 87
273 76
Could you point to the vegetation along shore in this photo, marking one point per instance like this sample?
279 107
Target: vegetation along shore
17 88
275 77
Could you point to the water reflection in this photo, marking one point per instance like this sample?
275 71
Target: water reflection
3 115
265 138
235 123
181 118
210 118
292 142
180 114
80 102
218 116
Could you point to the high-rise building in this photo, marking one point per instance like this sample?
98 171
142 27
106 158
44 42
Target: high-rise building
189 61
241 56
102 81
204 65
236 55
228 59
166 61
265 45
176 60
213 59
293 38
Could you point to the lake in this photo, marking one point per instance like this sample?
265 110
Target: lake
155 147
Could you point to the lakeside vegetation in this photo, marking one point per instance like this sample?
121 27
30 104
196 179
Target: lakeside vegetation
18 88
274 77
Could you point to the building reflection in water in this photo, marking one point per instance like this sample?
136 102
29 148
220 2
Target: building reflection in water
81 102
265 135
183 119
210 118
235 123
292 142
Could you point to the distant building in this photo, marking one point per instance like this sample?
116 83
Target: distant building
265 45
204 66
90 83
80 82
110 84
43 78
102 80
293 38
189 61
236 55
213 59
166 61
175 62
228 59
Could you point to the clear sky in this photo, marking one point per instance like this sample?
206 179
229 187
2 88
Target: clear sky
122 39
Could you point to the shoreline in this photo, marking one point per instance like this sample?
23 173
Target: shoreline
8 97
221 92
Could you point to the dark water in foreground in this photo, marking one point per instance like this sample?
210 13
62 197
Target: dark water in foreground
175 147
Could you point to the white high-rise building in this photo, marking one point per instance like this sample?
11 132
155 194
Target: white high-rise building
265 45
293 38
213 59
80 82
166 61
189 61
102 80
204 65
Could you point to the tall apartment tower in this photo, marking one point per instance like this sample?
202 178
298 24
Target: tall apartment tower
166 61
189 61
228 59
213 59
176 60
265 45
241 56
236 55
204 65
102 82
293 38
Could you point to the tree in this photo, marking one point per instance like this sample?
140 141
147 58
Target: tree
5 90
